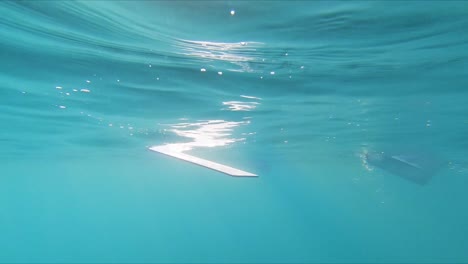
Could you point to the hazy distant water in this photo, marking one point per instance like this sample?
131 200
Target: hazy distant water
298 92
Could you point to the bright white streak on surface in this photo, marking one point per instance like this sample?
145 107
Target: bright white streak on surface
210 133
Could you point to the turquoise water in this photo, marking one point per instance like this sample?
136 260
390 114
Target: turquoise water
337 106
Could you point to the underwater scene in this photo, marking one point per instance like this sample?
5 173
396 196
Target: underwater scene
233 131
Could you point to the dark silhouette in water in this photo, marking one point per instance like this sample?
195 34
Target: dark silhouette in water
417 168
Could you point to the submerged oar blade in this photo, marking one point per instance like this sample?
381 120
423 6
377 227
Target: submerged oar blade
202 162
416 168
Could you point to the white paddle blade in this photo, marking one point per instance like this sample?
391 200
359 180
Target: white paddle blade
202 162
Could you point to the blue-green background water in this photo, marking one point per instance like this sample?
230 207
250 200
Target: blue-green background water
307 89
